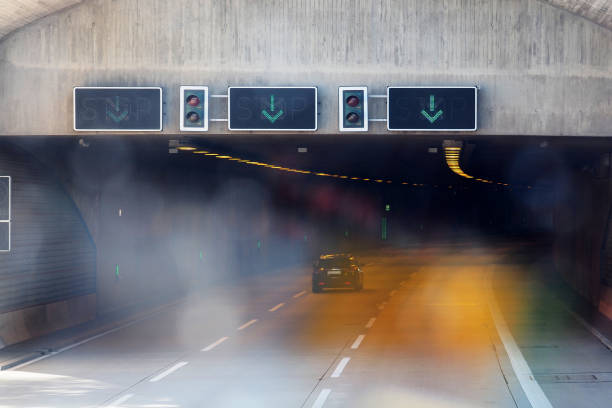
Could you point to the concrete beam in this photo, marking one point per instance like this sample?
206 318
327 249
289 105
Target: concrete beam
542 71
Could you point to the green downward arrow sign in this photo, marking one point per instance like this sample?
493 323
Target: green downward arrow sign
271 116
432 107
117 116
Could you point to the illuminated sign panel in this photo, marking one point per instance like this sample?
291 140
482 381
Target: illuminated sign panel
117 109
272 108
432 108
5 213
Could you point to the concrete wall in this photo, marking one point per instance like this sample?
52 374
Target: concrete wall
48 279
583 202
542 71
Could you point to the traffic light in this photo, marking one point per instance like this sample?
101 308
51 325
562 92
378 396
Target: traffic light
194 108
353 108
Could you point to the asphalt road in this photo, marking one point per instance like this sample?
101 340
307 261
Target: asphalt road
420 334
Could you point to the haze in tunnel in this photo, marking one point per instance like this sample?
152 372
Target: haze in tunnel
204 269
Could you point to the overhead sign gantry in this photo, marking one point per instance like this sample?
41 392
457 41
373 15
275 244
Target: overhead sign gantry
284 108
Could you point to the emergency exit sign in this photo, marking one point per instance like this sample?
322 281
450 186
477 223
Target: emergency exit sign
426 109
272 108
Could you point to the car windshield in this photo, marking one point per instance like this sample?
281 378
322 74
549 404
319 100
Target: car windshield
335 263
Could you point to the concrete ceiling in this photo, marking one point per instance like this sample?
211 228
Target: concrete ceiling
17 13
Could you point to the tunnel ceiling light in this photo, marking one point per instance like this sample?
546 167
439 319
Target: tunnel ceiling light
452 156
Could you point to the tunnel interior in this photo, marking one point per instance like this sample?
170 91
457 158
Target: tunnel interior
166 213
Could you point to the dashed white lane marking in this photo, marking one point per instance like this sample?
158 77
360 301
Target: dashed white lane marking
247 324
358 341
530 386
297 295
116 403
168 371
215 344
370 323
381 306
275 308
321 398
392 293
340 367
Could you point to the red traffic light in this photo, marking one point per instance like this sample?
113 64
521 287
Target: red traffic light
193 100
352 101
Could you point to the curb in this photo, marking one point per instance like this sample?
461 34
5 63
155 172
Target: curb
7 365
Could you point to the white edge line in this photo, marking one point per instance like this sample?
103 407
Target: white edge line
275 308
297 295
215 344
340 367
603 339
523 373
321 398
247 324
370 323
358 341
168 371
87 340
119 401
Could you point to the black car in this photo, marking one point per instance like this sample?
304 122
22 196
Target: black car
336 271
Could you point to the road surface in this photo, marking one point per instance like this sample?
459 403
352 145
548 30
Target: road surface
421 333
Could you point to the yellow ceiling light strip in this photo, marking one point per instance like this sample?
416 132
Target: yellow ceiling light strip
453 161
452 155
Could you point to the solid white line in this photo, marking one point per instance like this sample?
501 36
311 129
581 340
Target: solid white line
247 324
168 371
297 295
321 398
530 386
116 403
97 336
370 323
340 367
215 344
275 308
603 339
358 341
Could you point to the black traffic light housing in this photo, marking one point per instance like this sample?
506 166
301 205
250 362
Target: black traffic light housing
194 108
353 108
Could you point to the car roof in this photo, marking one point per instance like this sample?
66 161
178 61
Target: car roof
337 256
